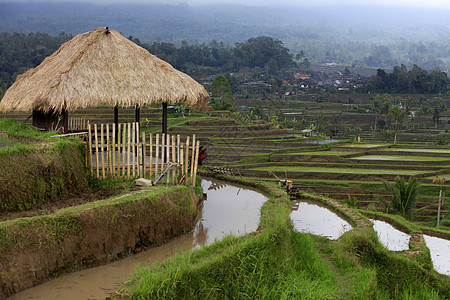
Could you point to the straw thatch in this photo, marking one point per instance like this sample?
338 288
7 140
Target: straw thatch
100 67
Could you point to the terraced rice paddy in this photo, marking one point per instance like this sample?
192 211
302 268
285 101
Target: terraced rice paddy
330 169
400 158
341 170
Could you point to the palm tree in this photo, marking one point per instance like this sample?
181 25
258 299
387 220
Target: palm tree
397 113
403 195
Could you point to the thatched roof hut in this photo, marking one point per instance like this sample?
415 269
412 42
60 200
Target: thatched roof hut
100 66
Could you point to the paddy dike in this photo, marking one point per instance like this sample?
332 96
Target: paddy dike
35 249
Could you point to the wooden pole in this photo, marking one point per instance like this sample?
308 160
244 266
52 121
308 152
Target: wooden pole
113 151
137 113
144 155
193 155
96 151
167 156
151 155
186 160
118 149
136 149
196 163
163 150
174 181
116 118
128 150
103 152
133 147
164 117
108 156
90 147
178 148
156 155
124 155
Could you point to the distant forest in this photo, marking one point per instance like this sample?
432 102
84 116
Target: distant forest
362 36
260 56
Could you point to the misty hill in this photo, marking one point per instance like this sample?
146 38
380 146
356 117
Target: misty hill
363 35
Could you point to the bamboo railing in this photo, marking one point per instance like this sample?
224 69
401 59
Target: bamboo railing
127 153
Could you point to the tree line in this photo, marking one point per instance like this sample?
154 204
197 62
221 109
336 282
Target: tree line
414 80
258 57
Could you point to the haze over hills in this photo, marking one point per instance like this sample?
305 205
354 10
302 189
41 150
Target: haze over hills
377 36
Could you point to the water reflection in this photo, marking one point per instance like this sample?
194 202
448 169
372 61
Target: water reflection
228 209
440 253
390 237
311 218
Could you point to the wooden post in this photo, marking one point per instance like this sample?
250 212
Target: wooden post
181 162
144 156
164 118
174 180
65 114
118 150
96 151
103 152
128 150
156 155
193 155
151 155
124 139
137 113
133 147
163 150
108 156
113 150
178 148
116 117
196 163
167 156
90 147
186 160
136 150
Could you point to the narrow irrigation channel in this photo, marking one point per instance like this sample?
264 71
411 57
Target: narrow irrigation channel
229 209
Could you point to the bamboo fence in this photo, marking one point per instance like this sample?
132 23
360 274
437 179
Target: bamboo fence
126 153
77 123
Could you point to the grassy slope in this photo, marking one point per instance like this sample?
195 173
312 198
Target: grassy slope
279 263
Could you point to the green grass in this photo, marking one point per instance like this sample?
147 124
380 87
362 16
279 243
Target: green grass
442 151
326 153
20 129
362 145
401 158
279 263
340 170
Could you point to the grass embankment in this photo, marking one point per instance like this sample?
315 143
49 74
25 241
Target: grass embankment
38 170
279 263
36 248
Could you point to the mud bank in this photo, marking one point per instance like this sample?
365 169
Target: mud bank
35 249
45 175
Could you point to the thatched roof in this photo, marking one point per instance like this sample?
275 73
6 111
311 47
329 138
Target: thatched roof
99 67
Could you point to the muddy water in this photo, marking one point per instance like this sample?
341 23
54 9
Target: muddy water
390 237
228 209
311 218
440 253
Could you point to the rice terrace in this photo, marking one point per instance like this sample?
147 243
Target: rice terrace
124 178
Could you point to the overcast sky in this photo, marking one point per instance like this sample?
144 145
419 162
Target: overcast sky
442 4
